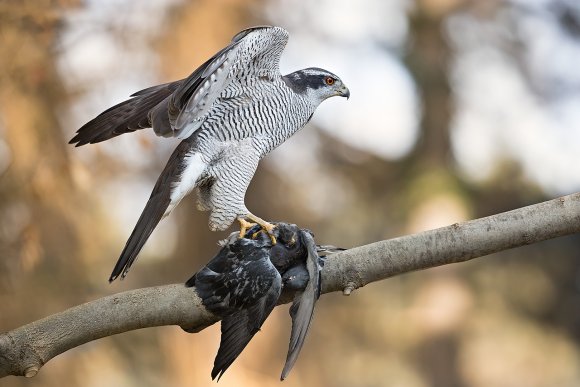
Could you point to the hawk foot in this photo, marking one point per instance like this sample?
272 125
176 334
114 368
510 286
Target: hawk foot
244 226
266 227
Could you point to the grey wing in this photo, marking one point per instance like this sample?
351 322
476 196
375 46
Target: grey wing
251 53
125 117
260 53
177 109
302 308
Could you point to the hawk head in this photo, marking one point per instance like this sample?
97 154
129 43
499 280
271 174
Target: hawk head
317 84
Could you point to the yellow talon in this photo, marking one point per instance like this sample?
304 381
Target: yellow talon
267 227
244 226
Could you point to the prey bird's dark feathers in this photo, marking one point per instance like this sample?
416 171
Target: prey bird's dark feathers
242 286
302 308
244 281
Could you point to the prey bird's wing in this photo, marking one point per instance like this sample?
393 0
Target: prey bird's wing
241 285
239 328
177 109
302 308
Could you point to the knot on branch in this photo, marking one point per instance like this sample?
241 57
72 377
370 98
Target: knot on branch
350 286
23 361
31 371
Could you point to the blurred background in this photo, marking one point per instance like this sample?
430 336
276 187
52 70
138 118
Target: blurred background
459 109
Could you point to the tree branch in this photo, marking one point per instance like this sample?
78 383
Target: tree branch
24 350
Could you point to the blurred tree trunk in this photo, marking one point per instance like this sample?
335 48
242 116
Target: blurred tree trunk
428 61
430 160
37 201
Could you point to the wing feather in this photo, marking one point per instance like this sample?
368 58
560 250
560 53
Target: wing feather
302 308
154 211
125 117
252 53
178 109
239 328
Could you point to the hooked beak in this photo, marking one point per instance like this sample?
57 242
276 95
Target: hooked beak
344 92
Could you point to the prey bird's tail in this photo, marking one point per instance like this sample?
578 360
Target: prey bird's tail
175 182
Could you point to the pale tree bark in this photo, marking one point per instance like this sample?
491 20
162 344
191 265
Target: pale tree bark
24 350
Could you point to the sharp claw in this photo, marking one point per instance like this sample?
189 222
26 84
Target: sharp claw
273 238
266 227
244 226
270 234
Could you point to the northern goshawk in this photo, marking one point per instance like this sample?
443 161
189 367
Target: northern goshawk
231 111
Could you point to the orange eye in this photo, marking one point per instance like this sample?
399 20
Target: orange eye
329 81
